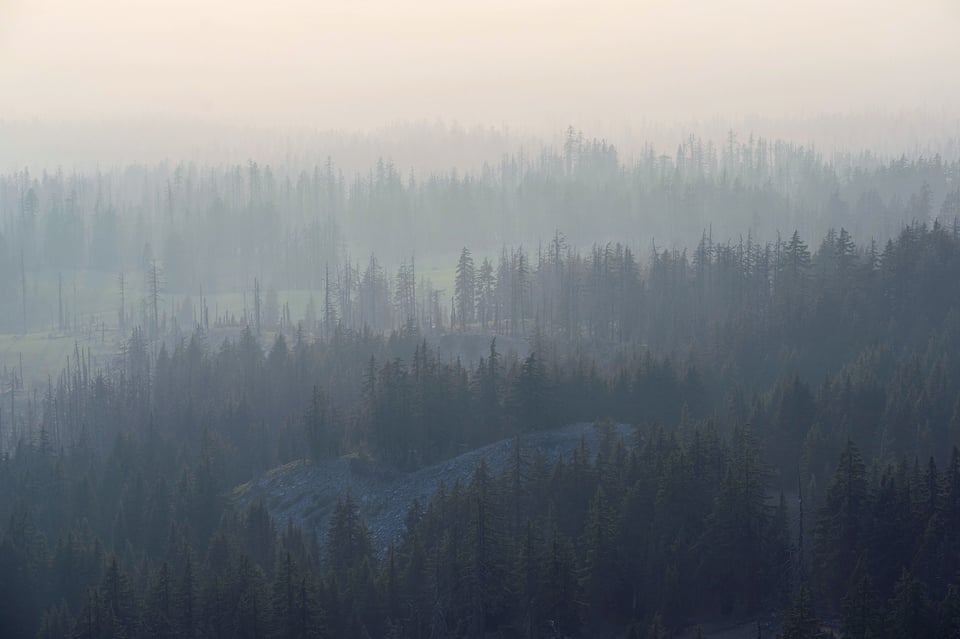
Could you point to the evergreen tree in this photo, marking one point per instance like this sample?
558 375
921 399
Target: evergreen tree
799 621
839 523
465 289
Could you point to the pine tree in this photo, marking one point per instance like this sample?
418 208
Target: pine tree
909 609
948 618
187 608
55 623
860 610
160 606
465 289
294 607
839 523
348 542
118 597
601 578
799 621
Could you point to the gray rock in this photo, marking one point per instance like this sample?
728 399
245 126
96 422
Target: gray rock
306 492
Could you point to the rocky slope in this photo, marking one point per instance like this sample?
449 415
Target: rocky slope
306 492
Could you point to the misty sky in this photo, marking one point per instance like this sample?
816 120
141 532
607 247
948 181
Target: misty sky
360 63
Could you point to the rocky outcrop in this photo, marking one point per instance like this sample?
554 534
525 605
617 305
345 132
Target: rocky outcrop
306 492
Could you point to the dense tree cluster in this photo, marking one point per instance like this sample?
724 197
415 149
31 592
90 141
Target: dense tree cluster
634 537
681 332
770 362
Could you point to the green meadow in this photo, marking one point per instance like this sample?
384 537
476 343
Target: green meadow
91 303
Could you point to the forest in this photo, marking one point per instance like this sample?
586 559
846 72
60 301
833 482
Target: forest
433 319
212 229
766 343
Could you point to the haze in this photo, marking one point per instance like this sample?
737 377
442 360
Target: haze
523 319
534 63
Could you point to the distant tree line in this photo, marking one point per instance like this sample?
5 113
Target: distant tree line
217 228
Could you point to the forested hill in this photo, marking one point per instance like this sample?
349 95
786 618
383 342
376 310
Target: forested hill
739 366
307 491
604 336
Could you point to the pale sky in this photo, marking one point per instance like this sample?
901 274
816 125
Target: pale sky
362 63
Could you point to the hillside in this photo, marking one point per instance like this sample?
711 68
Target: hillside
306 492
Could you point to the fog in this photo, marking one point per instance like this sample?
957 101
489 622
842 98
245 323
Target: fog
534 64
530 320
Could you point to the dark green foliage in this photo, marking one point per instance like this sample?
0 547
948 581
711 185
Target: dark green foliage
948 619
348 545
840 523
909 611
799 620
119 518
861 610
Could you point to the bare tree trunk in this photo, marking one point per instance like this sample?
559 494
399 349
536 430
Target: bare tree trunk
256 304
122 320
23 291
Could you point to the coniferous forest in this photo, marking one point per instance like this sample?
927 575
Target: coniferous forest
419 319
789 453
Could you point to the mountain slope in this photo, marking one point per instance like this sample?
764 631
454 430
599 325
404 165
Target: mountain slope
306 492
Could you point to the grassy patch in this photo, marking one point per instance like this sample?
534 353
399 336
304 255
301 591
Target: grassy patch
45 354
